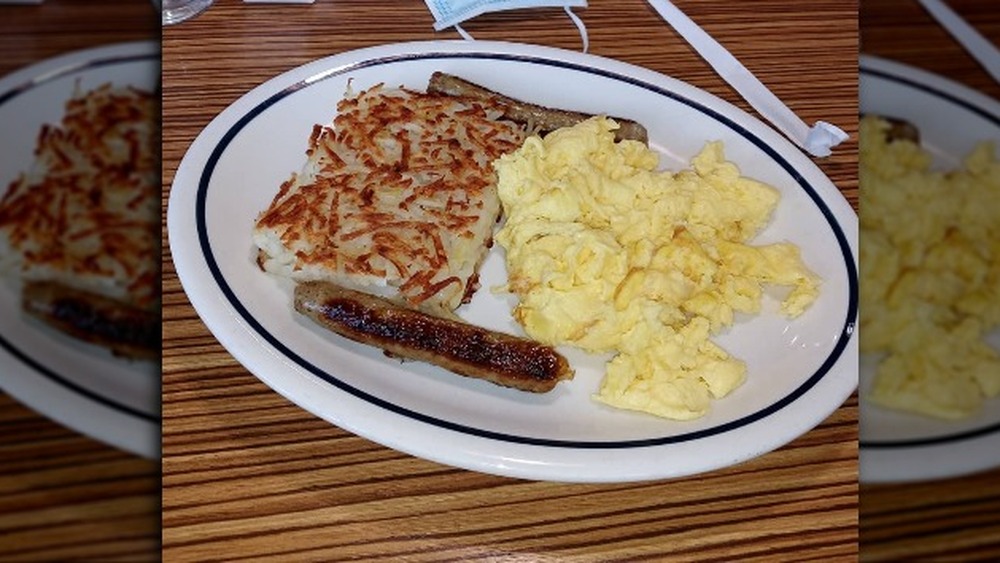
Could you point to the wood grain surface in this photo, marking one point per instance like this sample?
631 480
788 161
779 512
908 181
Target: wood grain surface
248 475
64 496
952 519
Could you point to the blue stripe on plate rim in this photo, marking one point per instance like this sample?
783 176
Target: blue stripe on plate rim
202 229
75 69
7 96
992 118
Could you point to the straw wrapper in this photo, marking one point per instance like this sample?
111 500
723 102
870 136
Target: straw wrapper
978 46
817 140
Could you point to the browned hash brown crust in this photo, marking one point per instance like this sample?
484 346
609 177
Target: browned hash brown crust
398 193
88 210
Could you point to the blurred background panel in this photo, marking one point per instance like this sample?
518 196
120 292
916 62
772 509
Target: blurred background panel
65 495
904 31
943 502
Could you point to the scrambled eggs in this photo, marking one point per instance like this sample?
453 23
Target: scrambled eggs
930 275
608 254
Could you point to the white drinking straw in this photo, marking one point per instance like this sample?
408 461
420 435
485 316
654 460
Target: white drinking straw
816 140
977 45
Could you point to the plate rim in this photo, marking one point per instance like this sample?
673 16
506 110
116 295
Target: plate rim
875 456
325 67
95 415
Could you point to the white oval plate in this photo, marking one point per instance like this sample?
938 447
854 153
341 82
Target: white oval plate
799 372
81 386
952 118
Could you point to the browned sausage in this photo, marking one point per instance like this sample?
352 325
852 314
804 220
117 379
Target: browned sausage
457 346
900 130
544 119
125 330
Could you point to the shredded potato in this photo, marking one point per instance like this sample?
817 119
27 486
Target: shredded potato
397 197
87 213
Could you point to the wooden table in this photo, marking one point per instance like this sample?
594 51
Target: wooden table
62 495
246 474
952 519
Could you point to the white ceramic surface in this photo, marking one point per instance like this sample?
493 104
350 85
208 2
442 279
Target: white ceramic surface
799 371
952 119
79 385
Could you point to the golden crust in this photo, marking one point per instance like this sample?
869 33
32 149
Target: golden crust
88 211
398 194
